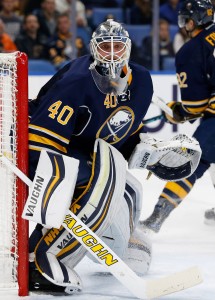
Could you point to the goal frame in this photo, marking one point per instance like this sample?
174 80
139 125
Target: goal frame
20 112
22 163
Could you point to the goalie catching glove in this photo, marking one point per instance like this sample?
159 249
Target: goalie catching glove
169 160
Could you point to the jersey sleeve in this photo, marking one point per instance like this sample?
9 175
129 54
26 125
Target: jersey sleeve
195 66
54 121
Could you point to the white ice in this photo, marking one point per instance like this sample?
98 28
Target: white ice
183 241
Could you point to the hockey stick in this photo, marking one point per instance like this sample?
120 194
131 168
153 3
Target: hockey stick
162 117
162 104
141 288
153 119
164 107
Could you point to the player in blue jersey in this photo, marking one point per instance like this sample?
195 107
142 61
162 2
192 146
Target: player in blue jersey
97 96
92 110
195 67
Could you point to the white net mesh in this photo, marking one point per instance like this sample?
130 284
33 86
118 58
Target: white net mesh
8 223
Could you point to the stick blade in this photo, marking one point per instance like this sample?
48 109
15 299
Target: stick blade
173 283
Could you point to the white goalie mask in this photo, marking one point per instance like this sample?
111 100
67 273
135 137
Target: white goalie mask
110 47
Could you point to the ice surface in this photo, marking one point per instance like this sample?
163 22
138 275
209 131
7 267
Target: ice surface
184 241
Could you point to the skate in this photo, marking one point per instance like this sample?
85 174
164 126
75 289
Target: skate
161 211
210 216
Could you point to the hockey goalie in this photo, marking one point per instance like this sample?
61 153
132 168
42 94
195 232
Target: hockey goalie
112 206
86 125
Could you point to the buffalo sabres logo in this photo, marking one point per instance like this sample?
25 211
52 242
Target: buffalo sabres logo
117 125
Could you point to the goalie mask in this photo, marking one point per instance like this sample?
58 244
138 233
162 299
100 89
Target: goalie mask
110 47
201 12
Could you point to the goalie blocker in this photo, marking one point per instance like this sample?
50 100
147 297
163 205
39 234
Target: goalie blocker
169 160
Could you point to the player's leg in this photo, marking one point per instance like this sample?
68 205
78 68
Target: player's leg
174 192
172 195
205 134
210 216
210 213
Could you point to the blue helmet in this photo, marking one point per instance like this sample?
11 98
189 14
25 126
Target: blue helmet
200 11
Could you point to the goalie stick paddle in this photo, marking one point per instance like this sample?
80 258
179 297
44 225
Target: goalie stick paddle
140 287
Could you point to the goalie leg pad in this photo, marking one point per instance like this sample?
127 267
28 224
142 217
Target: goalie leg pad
58 273
97 207
118 234
56 175
139 252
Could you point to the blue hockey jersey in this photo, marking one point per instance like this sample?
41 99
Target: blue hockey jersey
195 67
72 113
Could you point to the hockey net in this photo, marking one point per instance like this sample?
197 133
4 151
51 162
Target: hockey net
13 192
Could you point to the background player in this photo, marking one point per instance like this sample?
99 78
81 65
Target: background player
195 67
210 213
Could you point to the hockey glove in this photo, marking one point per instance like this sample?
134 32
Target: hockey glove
179 114
170 160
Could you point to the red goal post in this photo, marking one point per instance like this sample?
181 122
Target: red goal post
13 192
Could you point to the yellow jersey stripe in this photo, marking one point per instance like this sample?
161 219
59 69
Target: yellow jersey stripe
49 132
46 141
194 110
196 102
